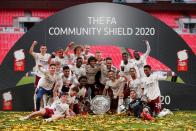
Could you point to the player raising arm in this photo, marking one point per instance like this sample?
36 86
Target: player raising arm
46 84
140 61
40 59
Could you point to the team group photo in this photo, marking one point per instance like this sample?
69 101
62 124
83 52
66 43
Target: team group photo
68 80
87 65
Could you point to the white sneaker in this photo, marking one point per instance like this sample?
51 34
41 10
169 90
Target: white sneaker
169 112
24 118
165 112
48 120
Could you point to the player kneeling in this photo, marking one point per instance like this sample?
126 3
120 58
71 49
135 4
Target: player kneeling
138 107
58 109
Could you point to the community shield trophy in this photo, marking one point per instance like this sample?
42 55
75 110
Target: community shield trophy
100 104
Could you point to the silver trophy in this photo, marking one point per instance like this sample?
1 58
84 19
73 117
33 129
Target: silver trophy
100 104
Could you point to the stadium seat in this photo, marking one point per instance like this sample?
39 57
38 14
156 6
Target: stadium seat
190 39
42 13
168 18
7 40
192 15
6 16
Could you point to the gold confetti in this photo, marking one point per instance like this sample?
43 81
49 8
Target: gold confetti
178 121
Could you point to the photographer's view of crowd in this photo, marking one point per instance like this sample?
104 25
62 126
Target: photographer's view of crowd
67 80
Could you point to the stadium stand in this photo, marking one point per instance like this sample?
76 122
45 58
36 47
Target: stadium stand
7 40
192 15
42 13
190 39
7 16
168 18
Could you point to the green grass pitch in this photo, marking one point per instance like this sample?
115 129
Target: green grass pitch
179 121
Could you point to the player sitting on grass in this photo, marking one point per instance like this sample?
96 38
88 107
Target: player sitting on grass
58 109
138 107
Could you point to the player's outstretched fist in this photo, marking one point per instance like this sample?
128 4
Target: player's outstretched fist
71 44
34 43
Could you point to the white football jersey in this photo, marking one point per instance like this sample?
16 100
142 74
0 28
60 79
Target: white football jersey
40 60
71 79
73 58
78 72
117 86
131 64
82 92
63 61
90 73
47 80
104 73
142 61
151 85
137 86
59 108
87 55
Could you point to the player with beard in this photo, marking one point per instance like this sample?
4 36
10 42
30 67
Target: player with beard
77 53
117 86
78 69
151 88
91 71
140 61
105 67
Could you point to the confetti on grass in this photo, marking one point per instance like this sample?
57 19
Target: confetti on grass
178 121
